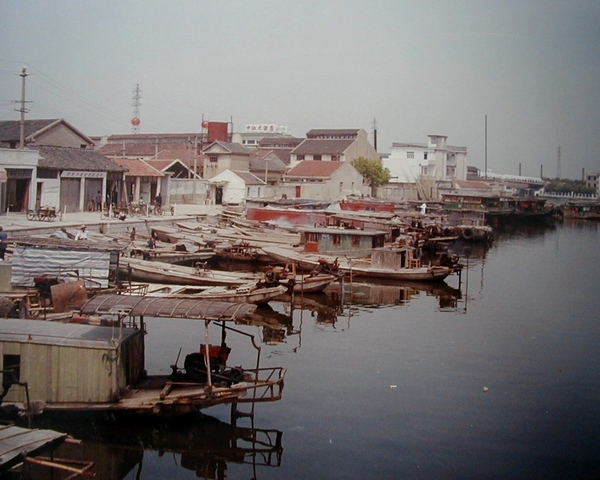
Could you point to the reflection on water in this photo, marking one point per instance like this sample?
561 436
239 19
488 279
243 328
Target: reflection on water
281 320
507 389
201 444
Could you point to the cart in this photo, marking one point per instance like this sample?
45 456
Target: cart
44 214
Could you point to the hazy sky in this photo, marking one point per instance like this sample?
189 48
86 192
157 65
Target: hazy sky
418 67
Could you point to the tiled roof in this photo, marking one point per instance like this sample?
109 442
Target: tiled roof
314 168
280 142
162 150
259 163
10 130
230 147
322 147
137 168
320 132
249 178
472 184
63 158
283 154
160 165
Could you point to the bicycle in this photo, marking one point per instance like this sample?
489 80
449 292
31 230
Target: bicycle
44 213
114 210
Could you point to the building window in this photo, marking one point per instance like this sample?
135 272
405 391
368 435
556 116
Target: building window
337 240
410 154
335 158
316 157
213 159
341 186
355 241
300 157
425 155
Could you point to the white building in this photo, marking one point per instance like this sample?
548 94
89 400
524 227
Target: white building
231 187
435 160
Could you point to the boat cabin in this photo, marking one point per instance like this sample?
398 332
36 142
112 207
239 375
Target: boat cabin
339 241
101 367
396 258
69 363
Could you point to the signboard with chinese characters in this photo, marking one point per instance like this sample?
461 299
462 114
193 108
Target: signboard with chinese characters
266 128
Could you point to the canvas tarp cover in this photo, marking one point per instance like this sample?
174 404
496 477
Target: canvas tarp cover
89 265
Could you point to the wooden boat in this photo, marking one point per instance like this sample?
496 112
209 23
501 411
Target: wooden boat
239 252
387 263
315 281
157 272
170 255
256 293
102 368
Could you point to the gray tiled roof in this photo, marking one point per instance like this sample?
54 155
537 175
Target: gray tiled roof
249 178
62 158
280 142
231 147
335 132
322 147
10 130
260 164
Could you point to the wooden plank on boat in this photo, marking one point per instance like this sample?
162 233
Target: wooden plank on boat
17 443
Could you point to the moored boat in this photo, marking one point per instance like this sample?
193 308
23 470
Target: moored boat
387 263
157 272
102 368
256 293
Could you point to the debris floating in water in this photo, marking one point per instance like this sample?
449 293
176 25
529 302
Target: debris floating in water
485 389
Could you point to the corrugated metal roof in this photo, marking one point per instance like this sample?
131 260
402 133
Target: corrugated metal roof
165 307
56 333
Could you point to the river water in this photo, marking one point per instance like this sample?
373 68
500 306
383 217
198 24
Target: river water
493 376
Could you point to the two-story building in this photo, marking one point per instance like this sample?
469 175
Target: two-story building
434 160
333 145
319 180
220 156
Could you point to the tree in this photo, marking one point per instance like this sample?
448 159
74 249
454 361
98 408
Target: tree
373 171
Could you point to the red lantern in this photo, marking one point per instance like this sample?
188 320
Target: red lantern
204 124
135 121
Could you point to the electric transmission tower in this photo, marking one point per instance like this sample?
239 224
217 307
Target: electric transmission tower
135 121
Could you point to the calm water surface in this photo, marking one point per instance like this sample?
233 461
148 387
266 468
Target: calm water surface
495 376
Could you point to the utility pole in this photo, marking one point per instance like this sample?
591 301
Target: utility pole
23 110
485 148
375 133
195 166
558 173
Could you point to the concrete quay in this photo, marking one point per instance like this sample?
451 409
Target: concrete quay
16 224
